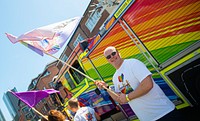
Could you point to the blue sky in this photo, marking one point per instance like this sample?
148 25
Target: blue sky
19 65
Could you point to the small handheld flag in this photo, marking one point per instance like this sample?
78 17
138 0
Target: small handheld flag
31 98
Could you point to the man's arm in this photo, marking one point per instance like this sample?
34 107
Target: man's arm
143 88
114 95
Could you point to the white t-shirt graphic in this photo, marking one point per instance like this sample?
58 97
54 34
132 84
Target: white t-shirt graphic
149 107
85 114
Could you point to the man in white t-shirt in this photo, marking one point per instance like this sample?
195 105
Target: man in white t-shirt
134 85
82 113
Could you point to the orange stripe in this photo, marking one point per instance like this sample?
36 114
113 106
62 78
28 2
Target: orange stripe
180 31
169 23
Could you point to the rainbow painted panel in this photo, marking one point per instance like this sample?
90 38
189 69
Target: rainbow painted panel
166 27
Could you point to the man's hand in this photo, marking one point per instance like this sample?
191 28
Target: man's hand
100 84
122 98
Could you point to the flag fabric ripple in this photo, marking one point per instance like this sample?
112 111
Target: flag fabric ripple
49 38
31 98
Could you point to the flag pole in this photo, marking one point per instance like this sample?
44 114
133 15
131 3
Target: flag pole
62 105
39 113
108 89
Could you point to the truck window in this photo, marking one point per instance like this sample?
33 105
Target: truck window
69 80
76 75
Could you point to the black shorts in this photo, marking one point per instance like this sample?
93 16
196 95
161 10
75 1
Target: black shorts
174 115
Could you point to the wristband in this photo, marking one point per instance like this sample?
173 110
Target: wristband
127 98
107 87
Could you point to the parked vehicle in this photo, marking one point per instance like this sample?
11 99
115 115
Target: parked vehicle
164 34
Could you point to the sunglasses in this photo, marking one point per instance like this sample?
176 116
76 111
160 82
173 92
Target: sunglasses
109 56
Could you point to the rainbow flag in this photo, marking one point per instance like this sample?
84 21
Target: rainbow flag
48 39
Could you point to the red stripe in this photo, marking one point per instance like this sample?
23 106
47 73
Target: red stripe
138 11
132 23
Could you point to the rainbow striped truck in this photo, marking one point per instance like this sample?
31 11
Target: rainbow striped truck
164 34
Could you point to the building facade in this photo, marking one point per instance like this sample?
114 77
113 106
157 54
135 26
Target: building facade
12 104
2 118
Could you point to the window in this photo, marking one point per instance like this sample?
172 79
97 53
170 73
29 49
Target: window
69 80
78 39
29 116
35 81
93 20
45 107
76 75
25 110
52 84
64 58
43 100
46 73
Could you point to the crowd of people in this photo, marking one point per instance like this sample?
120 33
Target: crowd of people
81 113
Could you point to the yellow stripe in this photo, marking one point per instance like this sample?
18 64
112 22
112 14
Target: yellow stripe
164 42
100 60
119 35
83 54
